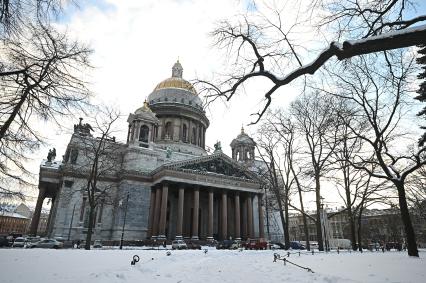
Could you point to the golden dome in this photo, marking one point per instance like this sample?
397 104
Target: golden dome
176 82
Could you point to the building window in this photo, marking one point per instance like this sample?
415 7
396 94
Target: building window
74 155
83 207
194 133
68 183
168 131
184 133
144 133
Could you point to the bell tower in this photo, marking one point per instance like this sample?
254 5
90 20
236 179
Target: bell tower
243 147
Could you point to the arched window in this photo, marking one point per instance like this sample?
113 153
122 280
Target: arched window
184 133
194 135
144 133
168 131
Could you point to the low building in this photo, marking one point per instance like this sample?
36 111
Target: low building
12 222
377 225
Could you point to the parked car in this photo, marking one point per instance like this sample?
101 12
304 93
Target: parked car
193 246
97 244
296 246
256 245
224 245
4 242
277 246
313 245
236 245
30 240
19 242
47 244
179 245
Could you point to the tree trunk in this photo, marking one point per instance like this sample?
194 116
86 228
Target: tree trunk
283 221
12 116
302 209
90 227
267 215
406 220
318 213
286 233
359 230
351 218
305 222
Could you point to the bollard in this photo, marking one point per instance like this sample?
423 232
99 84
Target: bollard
135 260
284 260
288 254
312 252
338 251
299 253
206 251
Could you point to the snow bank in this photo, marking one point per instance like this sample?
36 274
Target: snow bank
56 266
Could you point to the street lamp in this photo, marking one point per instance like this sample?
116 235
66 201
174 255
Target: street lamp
124 222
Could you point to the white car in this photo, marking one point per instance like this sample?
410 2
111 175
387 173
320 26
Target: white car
179 245
19 242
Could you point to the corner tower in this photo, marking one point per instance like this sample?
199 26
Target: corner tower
243 147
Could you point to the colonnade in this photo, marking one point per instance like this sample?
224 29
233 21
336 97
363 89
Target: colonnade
237 203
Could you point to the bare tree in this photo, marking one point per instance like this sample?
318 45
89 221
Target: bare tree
317 121
40 79
379 97
268 146
347 178
99 162
266 47
15 14
286 128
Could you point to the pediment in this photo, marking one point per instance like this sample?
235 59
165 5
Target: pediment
218 164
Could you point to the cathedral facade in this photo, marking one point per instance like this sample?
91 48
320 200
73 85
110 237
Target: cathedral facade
165 185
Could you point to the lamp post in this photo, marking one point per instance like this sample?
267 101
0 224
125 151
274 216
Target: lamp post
323 224
124 222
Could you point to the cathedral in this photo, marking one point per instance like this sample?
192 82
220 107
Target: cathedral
165 186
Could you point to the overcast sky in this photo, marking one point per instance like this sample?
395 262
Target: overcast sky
137 42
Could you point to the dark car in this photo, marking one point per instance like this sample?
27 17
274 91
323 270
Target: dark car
193 246
224 245
296 246
4 242
280 245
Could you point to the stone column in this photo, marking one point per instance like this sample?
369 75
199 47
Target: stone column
179 234
137 131
49 218
163 212
250 217
36 216
224 216
195 214
157 208
237 217
128 133
151 214
245 234
210 224
261 224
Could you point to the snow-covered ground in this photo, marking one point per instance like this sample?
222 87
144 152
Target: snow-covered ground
56 266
